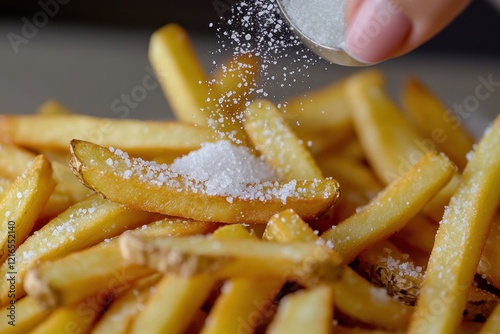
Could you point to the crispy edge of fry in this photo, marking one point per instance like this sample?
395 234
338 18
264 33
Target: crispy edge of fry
434 121
306 311
307 263
82 225
278 144
22 203
177 299
392 208
98 269
89 164
354 295
460 240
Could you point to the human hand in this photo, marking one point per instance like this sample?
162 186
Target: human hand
381 29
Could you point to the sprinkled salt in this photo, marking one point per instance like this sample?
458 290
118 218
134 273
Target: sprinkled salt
320 20
19 195
224 168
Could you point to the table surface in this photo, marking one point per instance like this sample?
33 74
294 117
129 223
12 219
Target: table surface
88 68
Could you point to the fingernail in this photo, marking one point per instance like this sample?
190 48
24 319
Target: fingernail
377 31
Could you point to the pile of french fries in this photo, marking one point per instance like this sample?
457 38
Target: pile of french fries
392 224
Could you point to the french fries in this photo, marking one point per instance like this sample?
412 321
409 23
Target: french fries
304 312
161 193
336 231
270 135
460 240
436 123
84 224
191 256
392 208
22 204
139 138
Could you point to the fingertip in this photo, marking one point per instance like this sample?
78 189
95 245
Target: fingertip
376 31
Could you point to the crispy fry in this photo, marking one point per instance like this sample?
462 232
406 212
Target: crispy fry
176 195
185 84
119 317
321 116
22 203
354 296
27 315
235 82
14 160
180 73
148 139
177 299
308 311
306 262
99 269
392 208
437 123
280 147
243 303
84 224
378 122
388 267
81 317
241 298
460 240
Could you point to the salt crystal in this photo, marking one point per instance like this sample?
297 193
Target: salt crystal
109 161
19 195
224 168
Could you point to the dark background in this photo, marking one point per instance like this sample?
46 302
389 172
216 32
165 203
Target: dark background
476 31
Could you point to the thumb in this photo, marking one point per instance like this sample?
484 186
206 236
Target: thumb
381 29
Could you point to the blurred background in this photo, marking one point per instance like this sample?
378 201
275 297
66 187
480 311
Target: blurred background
88 53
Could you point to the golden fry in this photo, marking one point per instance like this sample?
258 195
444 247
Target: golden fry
180 73
21 205
436 122
309 311
460 240
321 116
277 143
189 256
177 299
119 317
84 224
148 139
99 269
26 315
392 208
354 296
156 189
